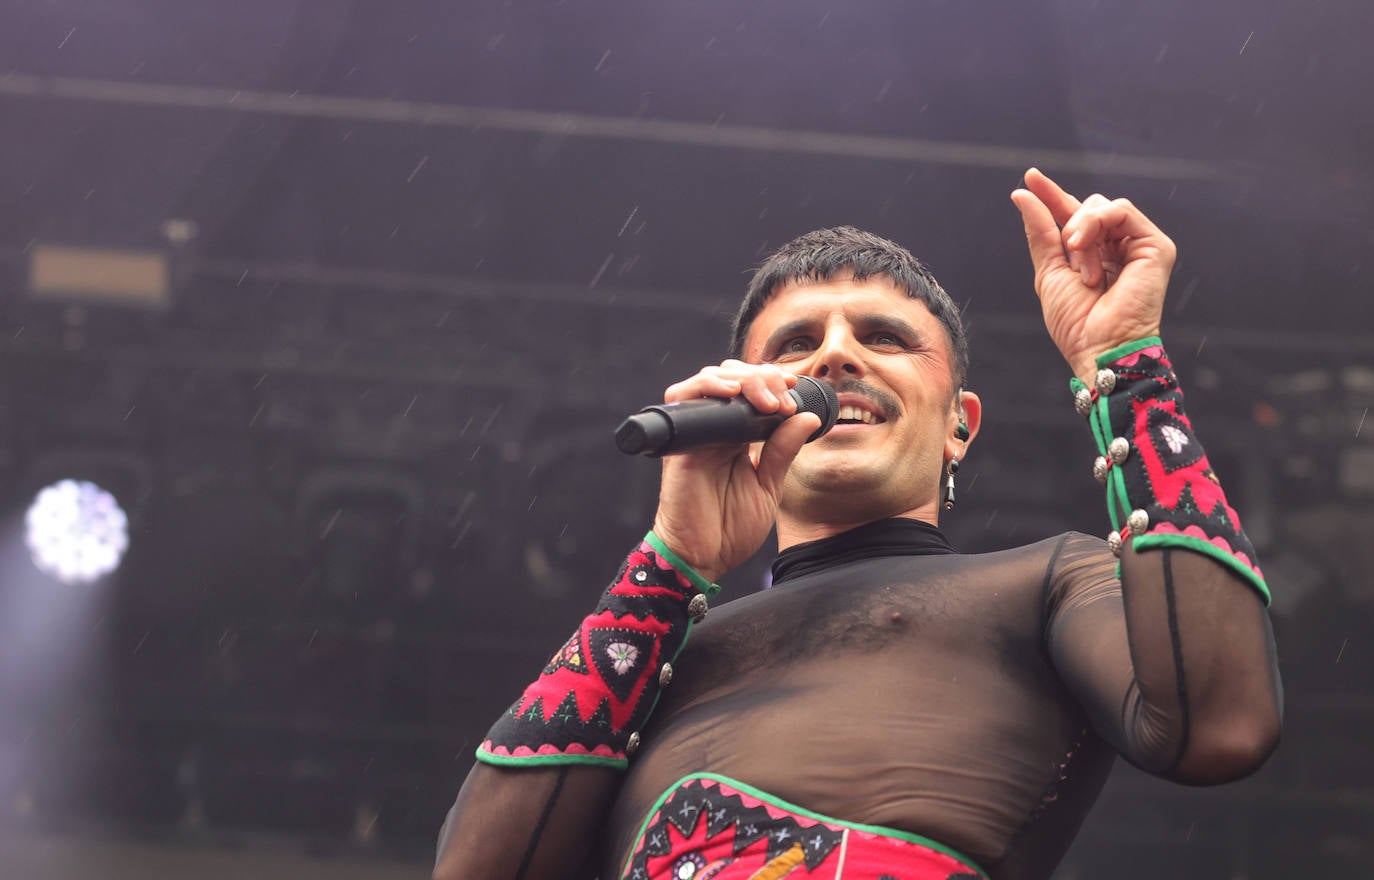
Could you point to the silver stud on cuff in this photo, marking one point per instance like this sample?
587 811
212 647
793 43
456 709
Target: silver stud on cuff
1100 468
697 607
1138 521
1118 449
665 675
1114 543
1083 401
1105 382
632 744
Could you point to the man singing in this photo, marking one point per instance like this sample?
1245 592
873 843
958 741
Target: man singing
891 708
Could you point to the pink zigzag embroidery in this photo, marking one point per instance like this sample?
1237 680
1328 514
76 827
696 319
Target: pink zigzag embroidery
601 751
1155 352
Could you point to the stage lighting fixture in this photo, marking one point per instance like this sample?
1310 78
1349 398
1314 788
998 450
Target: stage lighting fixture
76 531
100 275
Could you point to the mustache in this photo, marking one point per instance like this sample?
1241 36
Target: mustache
886 403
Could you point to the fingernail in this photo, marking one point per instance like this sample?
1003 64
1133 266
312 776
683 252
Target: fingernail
1074 239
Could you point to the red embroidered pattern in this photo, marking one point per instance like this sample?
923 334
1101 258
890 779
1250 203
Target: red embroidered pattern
1167 473
710 829
600 686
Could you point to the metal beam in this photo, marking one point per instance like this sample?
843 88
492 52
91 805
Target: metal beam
746 137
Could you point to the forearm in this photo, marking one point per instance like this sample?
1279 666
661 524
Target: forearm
1208 703
1207 698
549 767
525 823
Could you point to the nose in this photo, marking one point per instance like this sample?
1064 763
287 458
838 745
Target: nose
838 355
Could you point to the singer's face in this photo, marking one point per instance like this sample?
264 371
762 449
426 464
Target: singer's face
889 360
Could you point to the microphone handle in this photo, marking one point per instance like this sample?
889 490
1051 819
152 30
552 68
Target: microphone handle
674 427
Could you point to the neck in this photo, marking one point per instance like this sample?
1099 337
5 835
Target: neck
797 527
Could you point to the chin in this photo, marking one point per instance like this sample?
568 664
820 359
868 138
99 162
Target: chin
839 471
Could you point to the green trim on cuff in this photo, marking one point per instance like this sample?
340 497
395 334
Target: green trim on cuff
682 568
1116 478
1135 345
549 760
1101 424
1076 385
671 660
1198 545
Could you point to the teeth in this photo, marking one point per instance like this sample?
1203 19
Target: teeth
854 413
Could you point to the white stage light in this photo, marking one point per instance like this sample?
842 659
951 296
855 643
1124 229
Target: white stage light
76 531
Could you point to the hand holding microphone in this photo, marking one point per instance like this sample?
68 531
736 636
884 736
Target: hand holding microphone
717 503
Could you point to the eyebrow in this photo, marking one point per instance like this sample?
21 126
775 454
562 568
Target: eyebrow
870 323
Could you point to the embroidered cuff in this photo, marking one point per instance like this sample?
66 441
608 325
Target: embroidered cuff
1161 490
598 690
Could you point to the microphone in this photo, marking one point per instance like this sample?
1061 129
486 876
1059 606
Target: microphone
676 427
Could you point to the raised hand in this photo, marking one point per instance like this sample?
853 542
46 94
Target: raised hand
1101 269
717 505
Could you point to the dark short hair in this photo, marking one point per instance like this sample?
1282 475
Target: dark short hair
827 253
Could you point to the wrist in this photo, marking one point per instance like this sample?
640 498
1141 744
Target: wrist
1124 349
1085 365
1084 370
701 577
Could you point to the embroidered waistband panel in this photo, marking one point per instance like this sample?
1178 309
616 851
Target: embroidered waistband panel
710 827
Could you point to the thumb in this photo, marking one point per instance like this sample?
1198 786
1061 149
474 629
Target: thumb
782 447
1042 233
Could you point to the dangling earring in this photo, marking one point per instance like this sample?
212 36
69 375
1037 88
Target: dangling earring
949 483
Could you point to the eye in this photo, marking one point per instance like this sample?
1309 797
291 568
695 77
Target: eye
886 340
794 346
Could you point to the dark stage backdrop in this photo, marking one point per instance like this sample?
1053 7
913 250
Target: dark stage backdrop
392 271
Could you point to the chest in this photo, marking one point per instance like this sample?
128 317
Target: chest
910 613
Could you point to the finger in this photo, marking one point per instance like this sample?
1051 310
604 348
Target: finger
740 371
1062 205
1042 233
1102 221
1082 242
1079 232
1090 265
789 403
734 367
726 380
701 385
782 447
1085 254
766 389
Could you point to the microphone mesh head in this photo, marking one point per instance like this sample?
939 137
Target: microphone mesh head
819 398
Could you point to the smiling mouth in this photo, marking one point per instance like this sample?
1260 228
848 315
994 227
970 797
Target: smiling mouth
853 415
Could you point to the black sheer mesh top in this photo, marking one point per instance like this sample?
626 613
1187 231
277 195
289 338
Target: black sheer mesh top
977 700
